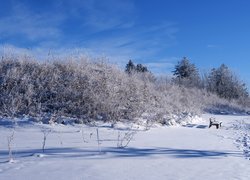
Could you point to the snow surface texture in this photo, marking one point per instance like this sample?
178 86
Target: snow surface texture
192 151
243 136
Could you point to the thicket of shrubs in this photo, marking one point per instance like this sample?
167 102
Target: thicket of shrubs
87 90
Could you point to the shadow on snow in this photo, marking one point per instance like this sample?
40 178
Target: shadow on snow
112 152
196 126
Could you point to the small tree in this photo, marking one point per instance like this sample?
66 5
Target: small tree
130 67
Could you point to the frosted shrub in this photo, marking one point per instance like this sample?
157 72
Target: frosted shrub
94 90
124 139
45 132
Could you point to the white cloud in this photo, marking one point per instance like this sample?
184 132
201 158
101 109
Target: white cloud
44 54
163 66
158 67
10 50
24 23
103 15
141 43
212 46
160 64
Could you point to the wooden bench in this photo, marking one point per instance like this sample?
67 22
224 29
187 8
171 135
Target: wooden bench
213 122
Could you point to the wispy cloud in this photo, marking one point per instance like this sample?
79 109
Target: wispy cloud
101 28
163 66
98 15
212 46
140 42
22 23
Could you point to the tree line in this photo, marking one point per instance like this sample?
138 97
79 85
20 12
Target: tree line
77 87
220 81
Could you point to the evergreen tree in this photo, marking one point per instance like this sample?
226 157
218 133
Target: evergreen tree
130 67
186 74
141 68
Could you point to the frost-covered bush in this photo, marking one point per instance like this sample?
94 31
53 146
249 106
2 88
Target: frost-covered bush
72 87
226 84
86 89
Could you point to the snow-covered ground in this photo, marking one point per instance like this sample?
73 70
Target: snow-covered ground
71 152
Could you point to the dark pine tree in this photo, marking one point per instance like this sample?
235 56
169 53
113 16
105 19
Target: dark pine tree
130 67
186 74
141 68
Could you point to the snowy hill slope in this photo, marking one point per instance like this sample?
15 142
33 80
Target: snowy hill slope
192 151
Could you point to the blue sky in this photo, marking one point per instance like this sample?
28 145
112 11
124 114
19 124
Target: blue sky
156 33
